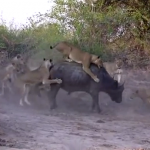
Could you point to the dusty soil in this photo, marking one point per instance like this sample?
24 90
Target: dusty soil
72 126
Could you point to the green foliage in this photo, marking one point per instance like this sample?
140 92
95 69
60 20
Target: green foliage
36 37
113 28
95 31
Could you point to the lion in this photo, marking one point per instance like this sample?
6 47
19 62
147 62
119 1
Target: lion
32 78
142 93
24 68
114 68
7 74
71 53
18 61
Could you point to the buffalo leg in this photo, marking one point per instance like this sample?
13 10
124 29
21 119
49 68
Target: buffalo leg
95 103
52 96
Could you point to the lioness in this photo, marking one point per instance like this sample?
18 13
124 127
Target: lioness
114 68
7 74
143 93
18 60
22 69
71 53
34 77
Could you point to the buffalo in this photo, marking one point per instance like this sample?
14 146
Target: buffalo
75 79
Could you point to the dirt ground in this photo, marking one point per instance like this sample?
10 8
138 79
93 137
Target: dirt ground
72 126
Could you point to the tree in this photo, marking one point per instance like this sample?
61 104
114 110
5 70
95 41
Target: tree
120 25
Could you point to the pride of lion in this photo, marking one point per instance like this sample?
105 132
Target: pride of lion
24 79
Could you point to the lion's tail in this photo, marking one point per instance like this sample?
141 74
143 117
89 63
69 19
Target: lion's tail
51 47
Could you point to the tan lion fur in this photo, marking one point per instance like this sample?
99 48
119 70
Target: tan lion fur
142 93
71 53
114 68
7 73
22 69
31 78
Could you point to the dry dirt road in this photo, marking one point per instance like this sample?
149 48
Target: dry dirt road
72 126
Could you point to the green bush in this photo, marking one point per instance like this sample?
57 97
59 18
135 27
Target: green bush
92 31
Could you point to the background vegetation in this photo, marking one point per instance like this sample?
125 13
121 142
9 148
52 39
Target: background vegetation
110 28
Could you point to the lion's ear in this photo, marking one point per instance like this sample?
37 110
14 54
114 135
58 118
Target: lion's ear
98 56
50 60
44 59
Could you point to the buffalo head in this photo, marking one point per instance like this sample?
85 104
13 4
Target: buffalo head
116 94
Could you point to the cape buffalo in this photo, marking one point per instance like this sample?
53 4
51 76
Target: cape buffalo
75 79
